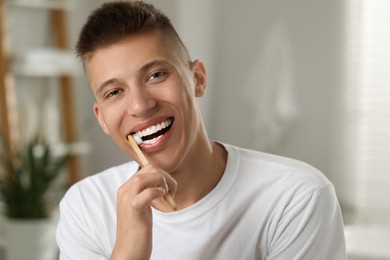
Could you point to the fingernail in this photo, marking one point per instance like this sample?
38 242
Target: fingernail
161 190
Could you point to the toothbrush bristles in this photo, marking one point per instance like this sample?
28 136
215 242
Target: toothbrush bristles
137 139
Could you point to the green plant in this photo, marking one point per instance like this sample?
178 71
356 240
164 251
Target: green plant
26 177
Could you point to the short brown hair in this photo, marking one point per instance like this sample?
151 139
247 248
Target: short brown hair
115 21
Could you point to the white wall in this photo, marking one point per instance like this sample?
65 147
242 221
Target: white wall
312 32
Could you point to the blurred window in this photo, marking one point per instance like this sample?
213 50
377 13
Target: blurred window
368 108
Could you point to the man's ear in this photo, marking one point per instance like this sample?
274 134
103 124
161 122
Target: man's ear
99 117
200 76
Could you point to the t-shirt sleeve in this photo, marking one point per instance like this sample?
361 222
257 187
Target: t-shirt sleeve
310 228
73 236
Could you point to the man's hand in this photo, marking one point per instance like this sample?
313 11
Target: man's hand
134 214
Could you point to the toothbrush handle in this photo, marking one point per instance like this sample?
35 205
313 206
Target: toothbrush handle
168 197
138 151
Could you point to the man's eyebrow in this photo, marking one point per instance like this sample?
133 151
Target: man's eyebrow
105 84
152 63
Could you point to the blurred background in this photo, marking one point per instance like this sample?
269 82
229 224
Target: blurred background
307 79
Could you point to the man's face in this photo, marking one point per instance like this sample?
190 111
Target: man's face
142 86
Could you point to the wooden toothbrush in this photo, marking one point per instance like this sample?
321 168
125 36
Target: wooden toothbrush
134 142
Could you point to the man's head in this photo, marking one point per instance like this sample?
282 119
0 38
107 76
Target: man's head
144 82
115 21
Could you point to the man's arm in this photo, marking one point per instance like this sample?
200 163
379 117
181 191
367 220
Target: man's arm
312 228
73 237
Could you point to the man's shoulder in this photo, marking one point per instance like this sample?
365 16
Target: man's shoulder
276 168
104 183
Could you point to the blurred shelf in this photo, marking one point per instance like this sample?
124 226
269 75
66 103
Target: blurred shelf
46 63
57 62
43 4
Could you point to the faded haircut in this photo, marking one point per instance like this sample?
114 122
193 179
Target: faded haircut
114 21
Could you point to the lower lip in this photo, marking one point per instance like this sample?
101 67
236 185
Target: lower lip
159 144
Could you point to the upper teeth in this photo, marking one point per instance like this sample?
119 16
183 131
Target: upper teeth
154 128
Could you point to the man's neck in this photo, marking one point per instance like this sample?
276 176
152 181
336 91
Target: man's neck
201 175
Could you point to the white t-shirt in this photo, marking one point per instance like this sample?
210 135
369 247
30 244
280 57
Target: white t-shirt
264 207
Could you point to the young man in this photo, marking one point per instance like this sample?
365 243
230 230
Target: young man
232 203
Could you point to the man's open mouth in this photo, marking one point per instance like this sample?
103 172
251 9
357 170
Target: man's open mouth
153 133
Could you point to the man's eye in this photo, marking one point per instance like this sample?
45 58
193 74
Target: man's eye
157 75
113 93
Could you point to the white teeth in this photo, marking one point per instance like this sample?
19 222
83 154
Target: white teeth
152 141
153 129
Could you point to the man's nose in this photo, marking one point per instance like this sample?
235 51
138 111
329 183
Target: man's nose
140 102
